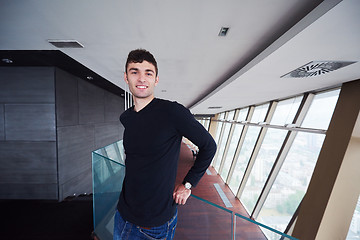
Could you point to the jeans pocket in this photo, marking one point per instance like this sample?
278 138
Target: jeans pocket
158 233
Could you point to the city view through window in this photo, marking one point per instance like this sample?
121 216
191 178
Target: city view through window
268 157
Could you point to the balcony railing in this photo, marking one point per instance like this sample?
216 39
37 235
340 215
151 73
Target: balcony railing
108 171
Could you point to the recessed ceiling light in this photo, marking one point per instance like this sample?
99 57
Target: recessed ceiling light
6 60
223 31
61 43
316 68
89 77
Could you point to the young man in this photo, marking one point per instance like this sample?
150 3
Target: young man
153 133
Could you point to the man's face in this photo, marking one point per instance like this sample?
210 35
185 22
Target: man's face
142 79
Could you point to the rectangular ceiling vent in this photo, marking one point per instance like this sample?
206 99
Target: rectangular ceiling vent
316 68
66 43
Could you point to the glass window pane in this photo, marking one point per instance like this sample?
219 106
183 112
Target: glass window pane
285 111
231 115
354 230
222 116
218 128
222 143
248 146
260 113
321 110
233 143
243 159
263 164
292 181
242 114
207 124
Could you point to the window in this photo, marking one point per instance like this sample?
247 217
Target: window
218 128
295 173
284 114
292 181
261 169
288 154
247 148
321 110
207 124
260 113
285 111
234 143
222 142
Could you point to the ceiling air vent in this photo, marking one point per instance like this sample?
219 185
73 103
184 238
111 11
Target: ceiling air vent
316 68
66 43
215 107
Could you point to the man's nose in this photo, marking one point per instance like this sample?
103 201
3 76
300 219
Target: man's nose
142 77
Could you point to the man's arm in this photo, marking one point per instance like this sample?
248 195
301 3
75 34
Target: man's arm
189 127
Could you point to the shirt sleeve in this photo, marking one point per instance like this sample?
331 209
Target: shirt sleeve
190 128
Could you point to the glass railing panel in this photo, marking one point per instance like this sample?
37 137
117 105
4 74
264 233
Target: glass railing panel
211 222
108 177
216 222
276 235
246 228
114 151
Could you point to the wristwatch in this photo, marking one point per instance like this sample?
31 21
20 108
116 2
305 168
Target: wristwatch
188 185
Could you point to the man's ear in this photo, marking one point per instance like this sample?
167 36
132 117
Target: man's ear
156 80
125 78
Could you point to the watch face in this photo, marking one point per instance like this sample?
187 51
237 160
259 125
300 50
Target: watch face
187 185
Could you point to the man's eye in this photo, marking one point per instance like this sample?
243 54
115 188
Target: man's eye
149 74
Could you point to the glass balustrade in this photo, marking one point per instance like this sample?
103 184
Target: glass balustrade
197 219
108 176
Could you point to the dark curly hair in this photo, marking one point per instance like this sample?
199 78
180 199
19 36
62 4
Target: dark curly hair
138 56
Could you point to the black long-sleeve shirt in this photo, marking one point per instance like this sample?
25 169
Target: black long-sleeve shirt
152 139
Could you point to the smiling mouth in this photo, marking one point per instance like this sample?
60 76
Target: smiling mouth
142 87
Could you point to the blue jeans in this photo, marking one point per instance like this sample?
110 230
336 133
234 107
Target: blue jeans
124 230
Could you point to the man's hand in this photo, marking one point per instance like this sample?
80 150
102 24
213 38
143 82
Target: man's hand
181 194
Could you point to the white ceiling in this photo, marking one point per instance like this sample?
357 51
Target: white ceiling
197 68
